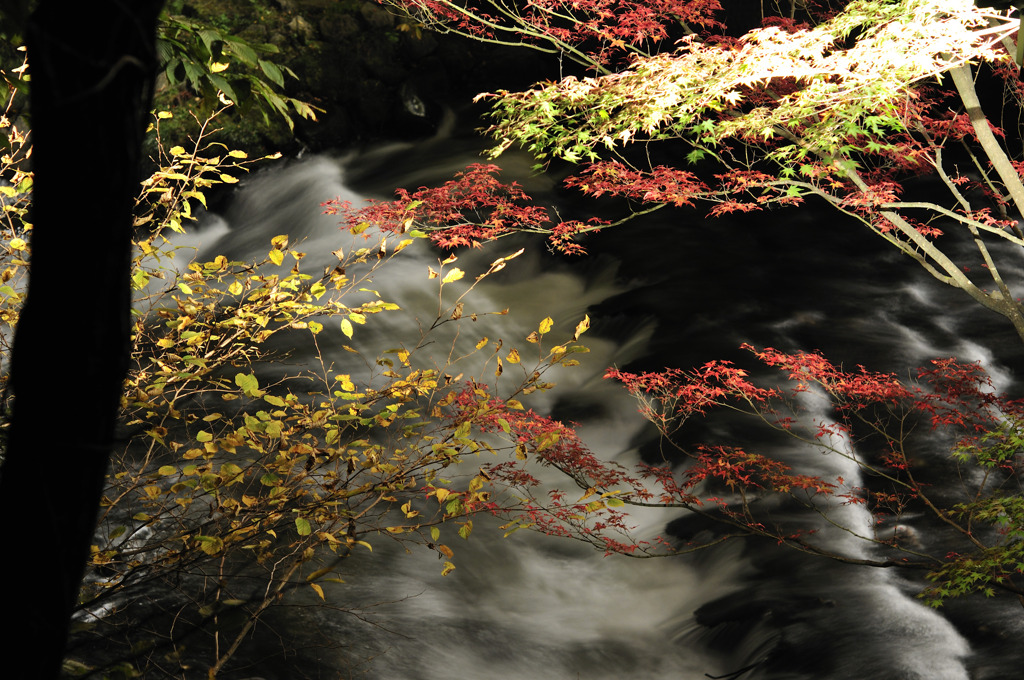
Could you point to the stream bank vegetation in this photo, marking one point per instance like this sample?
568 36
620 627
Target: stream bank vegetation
244 477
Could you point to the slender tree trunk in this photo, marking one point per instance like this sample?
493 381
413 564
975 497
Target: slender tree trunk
92 66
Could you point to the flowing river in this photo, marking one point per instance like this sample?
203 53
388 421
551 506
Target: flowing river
672 290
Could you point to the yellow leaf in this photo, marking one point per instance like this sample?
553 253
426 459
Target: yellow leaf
228 179
346 326
581 327
454 275
319 590
165 115
277 257
18 244
177 151
513 356
482 343
546 325
520 451
441 494
218 66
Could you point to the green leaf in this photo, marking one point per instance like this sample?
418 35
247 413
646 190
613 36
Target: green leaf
209 36
302 526
249 384
547 440
242 49
140 279
211 545
223 85
271 70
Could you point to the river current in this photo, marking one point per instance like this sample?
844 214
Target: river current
670 290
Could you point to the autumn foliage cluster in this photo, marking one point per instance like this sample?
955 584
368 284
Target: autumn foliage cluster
834 103
842 104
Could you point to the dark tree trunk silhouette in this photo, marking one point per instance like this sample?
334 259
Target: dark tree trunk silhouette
92 67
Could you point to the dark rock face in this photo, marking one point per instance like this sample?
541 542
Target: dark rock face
371 73
376 75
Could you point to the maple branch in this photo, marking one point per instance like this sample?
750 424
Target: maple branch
986 176
964 82
902 246
953 275
974 227
941 169
520 28
1001 303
